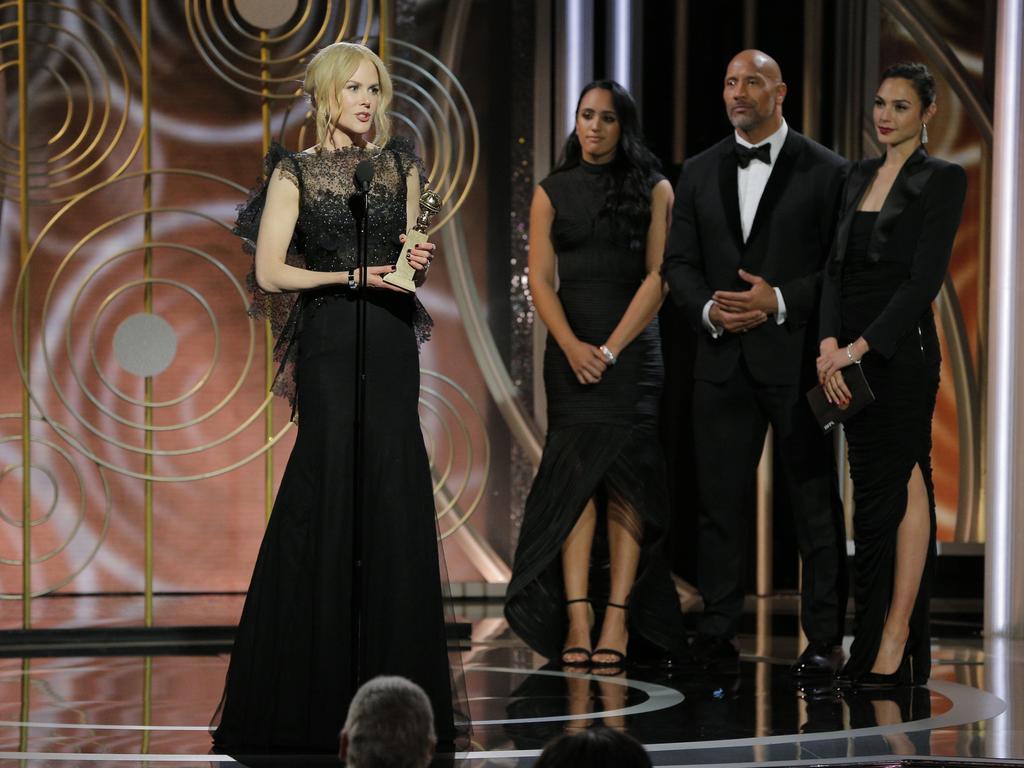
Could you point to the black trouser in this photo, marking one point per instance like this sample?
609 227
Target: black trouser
730 423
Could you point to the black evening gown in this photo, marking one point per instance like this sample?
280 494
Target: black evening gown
885 441
602 439
290 680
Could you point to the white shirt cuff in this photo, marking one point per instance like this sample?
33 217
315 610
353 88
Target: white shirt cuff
713 329
780 314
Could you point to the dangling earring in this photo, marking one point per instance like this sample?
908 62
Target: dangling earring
924 133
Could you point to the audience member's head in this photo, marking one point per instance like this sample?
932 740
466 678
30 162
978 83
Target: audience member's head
389 725
595 748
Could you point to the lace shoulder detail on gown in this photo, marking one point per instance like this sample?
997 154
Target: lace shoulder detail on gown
281 309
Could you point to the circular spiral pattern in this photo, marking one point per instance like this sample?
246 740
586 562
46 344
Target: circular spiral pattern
55 471
94 288
79 115
458 448
232 42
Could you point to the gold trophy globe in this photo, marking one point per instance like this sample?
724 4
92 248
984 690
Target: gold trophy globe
404 274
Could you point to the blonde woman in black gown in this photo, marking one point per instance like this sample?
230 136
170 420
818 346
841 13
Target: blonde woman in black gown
900 216
290 679
594 520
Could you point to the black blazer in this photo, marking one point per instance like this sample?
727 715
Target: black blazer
788 245
916 227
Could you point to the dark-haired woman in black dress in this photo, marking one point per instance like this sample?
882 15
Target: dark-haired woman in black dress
590 540
900 216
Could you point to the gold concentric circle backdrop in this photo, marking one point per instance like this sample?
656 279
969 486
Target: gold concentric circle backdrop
135 353
86 73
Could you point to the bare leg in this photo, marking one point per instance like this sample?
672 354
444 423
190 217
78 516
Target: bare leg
624 553
888 713
613 696
911 554
580 703
575 572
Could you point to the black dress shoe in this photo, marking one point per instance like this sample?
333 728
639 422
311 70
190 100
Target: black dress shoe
819 660
714 654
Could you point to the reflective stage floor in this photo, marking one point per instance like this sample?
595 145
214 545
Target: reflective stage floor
111 706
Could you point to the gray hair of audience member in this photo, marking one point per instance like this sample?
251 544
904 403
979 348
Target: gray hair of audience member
390 724
597 747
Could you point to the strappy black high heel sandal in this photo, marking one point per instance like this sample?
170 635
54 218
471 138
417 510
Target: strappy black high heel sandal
619 661
578 649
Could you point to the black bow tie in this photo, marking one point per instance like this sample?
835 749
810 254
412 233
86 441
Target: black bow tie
745 154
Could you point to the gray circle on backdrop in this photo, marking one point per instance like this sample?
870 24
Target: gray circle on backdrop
145 344
266 14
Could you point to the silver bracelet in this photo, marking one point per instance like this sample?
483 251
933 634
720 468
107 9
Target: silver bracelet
849 354
609 356
352 284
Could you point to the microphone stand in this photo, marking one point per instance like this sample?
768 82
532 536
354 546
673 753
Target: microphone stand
363 177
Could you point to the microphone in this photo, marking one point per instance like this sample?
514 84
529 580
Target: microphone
364 175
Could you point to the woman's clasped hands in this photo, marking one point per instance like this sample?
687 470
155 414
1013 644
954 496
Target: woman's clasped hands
586 361
830 363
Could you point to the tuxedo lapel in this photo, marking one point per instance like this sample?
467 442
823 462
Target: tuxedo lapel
777 181
909 183
728 187
855 189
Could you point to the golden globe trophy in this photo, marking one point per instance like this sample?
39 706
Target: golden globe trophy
404 274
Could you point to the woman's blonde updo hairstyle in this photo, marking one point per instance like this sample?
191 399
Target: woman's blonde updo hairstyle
327 73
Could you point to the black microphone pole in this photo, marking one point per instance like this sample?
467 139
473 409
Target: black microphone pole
363 177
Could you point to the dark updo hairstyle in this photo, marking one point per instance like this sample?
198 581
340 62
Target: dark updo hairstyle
920 78
598 747
628 199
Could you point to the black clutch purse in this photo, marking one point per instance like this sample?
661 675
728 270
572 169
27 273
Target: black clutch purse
827 414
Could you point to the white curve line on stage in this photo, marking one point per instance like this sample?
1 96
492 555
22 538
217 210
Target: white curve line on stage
658 696
976 704
970 705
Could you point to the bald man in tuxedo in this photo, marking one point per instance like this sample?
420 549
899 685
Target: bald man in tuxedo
752 225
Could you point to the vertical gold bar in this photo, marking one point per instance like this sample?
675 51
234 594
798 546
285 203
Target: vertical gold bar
268 336
976 530
26 403
384 11
147 701
368 27
147 270
765 470
26 701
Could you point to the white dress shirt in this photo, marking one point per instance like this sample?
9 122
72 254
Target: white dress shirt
750 183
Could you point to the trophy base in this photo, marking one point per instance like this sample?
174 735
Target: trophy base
404 274
400 281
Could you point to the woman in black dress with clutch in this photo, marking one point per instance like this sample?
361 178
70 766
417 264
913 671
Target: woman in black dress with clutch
900 216
596 514
291 674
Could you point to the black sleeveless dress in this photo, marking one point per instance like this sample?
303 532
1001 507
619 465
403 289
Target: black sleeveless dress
602 439
885 441
290 680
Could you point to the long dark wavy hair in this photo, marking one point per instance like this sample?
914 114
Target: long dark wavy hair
628 200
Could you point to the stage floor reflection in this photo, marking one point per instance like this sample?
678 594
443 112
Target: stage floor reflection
128 710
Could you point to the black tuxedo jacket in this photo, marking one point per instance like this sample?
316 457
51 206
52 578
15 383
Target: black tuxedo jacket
788 246
916 227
